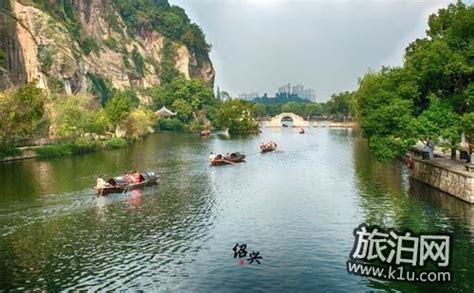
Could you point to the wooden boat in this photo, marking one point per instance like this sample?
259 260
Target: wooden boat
119 184
301 131
235 157
220 160
284 125
269 148
205 133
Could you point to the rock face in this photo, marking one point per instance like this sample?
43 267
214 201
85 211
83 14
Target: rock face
38 45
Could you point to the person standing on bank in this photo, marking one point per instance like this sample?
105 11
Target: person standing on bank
431 146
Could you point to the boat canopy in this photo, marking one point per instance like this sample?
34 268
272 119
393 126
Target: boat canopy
147 175
117 181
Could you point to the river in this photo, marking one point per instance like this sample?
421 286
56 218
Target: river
297 207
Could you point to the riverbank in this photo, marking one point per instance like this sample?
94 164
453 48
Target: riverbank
445 174
64 149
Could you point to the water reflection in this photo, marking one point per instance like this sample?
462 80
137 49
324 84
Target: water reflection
388 198
297 207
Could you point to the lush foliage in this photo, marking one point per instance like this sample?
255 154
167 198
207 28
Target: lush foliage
432 94
22 112
6 151
172 21
171 124
119 107
115 143
236 115
139 122
72 118
192 100
80 146
303 109
279 99
340 105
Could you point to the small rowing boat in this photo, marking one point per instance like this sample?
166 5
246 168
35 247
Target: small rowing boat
235 157
205 133
119 184
268 147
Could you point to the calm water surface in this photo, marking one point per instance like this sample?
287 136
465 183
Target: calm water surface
297 207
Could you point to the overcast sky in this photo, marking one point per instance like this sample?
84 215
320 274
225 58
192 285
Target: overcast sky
259 45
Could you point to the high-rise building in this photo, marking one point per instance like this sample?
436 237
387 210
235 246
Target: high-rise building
298 90
309 94
285 89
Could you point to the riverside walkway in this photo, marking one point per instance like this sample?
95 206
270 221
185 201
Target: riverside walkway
443 173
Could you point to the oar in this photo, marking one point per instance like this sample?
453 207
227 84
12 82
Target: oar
229 162
127 189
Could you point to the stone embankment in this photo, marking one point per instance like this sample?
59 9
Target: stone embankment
443 173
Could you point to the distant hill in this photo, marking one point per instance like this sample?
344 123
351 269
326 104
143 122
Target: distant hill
280 99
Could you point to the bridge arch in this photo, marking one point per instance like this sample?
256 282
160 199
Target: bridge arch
298 121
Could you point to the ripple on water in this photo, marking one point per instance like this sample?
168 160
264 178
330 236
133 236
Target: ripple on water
297 207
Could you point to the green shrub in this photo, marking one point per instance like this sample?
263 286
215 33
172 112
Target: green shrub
9 152
89 45
45 56
111 44
170 124
49 151
83 146
139 62
3 58
100 87
57 150
115 143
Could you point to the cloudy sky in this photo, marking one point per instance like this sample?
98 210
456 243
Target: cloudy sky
259 45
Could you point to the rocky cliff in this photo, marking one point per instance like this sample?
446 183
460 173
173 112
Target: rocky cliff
77 46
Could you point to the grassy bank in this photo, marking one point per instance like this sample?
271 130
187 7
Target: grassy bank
79 147
9 152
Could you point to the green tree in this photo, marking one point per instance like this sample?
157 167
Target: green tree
183 109
313 109
440 121
118 108
340 104
139 122
22 112
236 115
294 107
71 116
434 85
259 110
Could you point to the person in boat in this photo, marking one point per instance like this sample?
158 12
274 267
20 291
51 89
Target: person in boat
136 177
100 183
212 157
128 178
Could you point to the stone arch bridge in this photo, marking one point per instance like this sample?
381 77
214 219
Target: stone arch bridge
298 121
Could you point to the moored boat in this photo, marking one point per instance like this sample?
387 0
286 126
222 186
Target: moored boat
301 131
205 133
119 184
235 157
